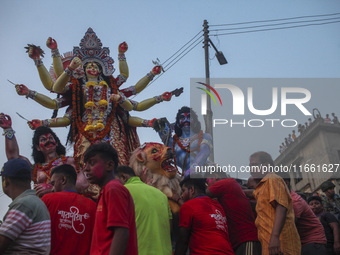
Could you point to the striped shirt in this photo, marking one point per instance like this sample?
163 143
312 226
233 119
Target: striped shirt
28 224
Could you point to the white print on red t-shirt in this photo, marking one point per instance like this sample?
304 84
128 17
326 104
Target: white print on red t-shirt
220 220
68 219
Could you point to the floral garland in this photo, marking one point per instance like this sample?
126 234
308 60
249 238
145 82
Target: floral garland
187 148
90 105
76 113
46 169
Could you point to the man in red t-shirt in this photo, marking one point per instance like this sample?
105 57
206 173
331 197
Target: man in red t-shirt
72 215
115 227
311 231
240 217
202 222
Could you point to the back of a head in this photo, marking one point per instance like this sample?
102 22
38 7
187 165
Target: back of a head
194 181
17 170
327 185
125 170
285 176
68 171
302 195
103 150
263 157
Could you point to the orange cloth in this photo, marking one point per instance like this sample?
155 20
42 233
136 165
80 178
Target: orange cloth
272 189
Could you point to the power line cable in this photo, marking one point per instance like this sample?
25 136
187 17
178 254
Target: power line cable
175 62
200 40
278 28
278 24
273 20
259 30
182 47
186 53
182 52
180 56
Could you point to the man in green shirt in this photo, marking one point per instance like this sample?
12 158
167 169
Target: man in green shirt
153 214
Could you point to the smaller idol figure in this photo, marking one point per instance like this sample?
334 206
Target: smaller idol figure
47 153
190 145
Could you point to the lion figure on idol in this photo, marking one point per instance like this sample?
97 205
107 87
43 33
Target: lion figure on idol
154 164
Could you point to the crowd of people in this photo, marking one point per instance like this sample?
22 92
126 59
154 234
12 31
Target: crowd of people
303 127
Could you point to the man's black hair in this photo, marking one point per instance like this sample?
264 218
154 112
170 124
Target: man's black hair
68 171
104 150
125 170
38 156
284 175
263 157
317 198
194 181
303 195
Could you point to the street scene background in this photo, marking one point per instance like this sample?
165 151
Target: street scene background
247 32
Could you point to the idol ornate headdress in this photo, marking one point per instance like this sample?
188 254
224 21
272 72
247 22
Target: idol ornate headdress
91 50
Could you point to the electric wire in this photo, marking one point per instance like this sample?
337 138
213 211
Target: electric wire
179 56
278 24
278 28
182 47
273 20
195 40
186 53
175 62
182 53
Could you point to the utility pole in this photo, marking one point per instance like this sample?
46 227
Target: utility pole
208 116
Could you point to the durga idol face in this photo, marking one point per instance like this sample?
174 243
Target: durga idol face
92 70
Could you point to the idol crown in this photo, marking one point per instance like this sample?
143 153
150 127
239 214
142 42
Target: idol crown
91 50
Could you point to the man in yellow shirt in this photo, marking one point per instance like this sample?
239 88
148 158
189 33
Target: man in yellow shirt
275 217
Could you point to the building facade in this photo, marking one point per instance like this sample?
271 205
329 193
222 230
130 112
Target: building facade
313 157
